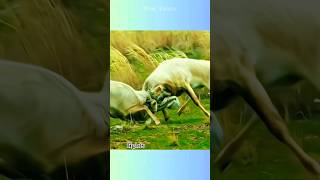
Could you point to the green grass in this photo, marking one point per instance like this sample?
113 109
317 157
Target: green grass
188 131
263 157
141 52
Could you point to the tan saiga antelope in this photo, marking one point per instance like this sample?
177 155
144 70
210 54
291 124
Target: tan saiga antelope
176 76
261 43
46 122
125 102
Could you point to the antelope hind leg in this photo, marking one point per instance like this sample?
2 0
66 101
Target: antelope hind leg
256 96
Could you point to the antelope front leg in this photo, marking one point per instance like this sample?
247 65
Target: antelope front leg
195 99
144 107
165 115
256 96
155 119
183 107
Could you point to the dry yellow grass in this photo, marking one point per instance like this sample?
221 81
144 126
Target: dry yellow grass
151 40
46 33
120 68
144 50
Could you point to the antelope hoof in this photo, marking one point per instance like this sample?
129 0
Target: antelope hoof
157 122
207 114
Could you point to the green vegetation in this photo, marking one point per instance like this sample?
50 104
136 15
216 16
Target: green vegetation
189 131
134 55
264 157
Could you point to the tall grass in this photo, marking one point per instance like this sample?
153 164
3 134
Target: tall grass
144 50
120 68
46 33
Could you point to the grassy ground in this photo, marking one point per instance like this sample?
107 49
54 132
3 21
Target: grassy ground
134 55
189 131
263 157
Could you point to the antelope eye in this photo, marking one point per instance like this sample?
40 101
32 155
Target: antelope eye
166 88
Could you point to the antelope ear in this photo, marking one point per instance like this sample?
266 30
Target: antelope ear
158 88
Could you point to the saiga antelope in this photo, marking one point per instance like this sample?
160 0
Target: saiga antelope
176 76
125 102
46 122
